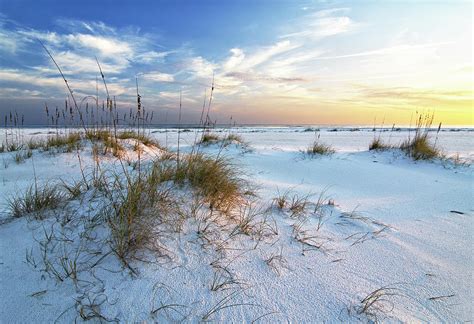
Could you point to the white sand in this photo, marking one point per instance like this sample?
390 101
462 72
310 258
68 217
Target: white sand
424 253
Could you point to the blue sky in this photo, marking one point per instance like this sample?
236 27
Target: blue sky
332 62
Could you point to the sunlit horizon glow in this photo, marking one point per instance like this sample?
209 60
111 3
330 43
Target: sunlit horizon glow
345 63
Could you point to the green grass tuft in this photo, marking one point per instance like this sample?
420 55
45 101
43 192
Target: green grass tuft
36 200
69 142
22 155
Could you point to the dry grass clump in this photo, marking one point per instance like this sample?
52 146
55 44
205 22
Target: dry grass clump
107 138
111 144
376 305
110 140
62 140
125 218
35 144
12 147
298 205
420 147
234 138
318 148
136 208
378 145
98 134
75 188
281 201
36 200
147 200
209 138
144 139
22 155
66 143
70 142
217 180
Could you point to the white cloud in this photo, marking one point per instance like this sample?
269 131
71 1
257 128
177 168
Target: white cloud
329 12
7 43
55 85
295 62
234 60
158 76
19 93
200 67
73 63
48 37
173 98
321 24
267 69
263 55
18 76
151 56
387 50
79 26
323 27
107 46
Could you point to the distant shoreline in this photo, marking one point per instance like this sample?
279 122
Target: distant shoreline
308 128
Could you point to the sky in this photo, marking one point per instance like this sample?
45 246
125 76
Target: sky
273 62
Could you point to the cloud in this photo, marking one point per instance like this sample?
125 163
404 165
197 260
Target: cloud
151 56
19 93
295 62
240 62
53 87
386 50
329 12
31 35
173 98
414 94
7 42
20 77
79 26
75 51
245 70
234 60
105 46
158 76
200 67
324 27
73 63
262 77
91 39
267 69
322 24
